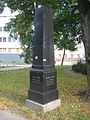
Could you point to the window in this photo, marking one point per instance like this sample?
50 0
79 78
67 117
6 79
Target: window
4 49
9 49
78 55
9 39
60 55
0 49
4 39
13 40
4 29
18 39
71 55
80 46
0 29
65 55
0 39
17 50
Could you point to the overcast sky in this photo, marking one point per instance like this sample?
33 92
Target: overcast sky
7 12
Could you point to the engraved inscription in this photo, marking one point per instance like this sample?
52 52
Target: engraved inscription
50 80
36 79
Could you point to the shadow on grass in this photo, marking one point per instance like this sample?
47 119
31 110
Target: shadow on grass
83 96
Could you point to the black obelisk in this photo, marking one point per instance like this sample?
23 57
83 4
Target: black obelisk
43 78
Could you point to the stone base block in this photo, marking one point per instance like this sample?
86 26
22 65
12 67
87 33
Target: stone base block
43 107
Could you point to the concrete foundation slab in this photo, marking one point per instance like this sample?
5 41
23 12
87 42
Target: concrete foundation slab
43 108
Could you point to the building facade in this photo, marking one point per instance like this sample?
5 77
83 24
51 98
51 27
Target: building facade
10 48
70 57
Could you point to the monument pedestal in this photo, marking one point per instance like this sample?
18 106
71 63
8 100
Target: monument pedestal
43 86
43 108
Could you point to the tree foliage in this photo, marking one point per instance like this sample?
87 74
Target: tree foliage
66 23
2 5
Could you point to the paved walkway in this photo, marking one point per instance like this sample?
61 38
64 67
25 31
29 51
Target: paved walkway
7 115
14 68
72 72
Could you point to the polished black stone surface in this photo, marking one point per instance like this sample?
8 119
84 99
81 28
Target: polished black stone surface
43 38
43 85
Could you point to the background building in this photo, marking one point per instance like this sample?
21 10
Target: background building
10 49
70 57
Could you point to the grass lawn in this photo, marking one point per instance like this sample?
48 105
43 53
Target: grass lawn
14 87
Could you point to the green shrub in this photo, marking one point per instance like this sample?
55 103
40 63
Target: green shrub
80 68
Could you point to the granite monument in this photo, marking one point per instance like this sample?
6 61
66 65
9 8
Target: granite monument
43 78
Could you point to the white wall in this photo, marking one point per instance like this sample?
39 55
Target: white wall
78 54
5 18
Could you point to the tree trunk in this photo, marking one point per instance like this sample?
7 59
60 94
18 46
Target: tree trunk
86 27
84 7
63 57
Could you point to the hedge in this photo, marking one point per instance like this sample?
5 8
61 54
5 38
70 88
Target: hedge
80 68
